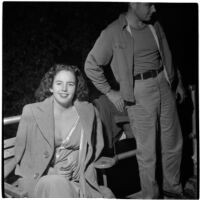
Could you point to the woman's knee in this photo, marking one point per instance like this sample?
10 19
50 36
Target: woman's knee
51 179
53 186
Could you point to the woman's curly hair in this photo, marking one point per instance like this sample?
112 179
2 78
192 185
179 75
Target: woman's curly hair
47 81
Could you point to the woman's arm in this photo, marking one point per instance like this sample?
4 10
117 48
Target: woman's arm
20 142
99 135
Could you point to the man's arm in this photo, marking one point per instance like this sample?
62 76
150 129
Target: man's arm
100 55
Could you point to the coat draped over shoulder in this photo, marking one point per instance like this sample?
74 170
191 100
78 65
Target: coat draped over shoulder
35 148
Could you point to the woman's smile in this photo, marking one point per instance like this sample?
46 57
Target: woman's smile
63 95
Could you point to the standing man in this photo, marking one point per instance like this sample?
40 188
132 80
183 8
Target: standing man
141 62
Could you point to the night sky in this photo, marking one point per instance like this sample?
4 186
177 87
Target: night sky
68 31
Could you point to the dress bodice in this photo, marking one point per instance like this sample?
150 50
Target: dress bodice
66 158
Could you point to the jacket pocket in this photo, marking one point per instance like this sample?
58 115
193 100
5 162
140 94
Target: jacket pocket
119 46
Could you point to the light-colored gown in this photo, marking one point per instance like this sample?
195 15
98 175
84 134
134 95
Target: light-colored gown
62 179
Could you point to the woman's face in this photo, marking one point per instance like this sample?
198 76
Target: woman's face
64 87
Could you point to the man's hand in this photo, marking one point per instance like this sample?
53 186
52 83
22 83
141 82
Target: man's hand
180 93
116 99
180 90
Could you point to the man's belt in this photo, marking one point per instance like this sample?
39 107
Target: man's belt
148 74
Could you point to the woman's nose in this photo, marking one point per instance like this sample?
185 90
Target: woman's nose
64 88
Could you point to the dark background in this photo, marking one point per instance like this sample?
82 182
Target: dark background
37 34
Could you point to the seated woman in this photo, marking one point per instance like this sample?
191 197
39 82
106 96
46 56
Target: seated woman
58 139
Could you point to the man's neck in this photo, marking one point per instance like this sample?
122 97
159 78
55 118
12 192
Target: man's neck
134 22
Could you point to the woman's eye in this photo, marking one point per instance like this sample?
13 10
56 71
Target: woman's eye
71 84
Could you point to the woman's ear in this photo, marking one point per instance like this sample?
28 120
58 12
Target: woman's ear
51 90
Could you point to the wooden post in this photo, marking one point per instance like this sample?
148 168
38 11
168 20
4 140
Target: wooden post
193 135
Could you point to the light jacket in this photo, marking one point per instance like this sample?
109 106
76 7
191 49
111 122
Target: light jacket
34 146
115 47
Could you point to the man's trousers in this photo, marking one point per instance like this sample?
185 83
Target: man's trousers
156 108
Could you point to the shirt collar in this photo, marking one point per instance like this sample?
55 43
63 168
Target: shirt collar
122 21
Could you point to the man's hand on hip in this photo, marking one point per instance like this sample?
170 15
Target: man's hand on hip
116 99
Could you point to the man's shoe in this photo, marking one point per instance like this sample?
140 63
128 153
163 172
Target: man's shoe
191 188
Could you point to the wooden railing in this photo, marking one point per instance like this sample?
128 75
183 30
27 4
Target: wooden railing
11 120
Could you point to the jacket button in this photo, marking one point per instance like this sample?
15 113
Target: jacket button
36 175
46 154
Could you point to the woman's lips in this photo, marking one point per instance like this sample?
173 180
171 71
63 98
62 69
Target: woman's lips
64 95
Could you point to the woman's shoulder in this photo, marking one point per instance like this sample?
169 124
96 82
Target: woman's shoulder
85 106
26 111
28 107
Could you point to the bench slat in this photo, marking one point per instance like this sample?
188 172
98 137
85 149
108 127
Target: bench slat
8 153
9 142
11 120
